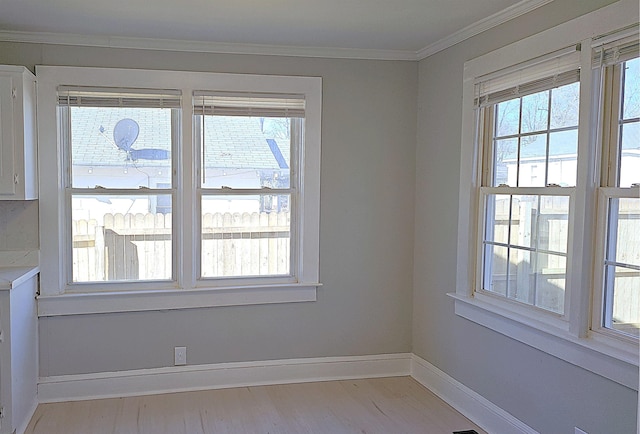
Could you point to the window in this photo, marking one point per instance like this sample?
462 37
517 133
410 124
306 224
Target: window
163 196
529 124
617 308
249 147
550 163
119 149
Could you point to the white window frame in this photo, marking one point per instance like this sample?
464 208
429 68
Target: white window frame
568 337
186 290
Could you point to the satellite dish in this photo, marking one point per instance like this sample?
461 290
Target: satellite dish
125 133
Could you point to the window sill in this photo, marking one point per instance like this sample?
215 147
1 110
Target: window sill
171 299
613 360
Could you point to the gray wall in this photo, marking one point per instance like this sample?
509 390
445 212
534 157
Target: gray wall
548 394
366 246
371 174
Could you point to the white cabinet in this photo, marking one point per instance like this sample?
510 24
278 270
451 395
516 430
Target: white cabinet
18 137
18 351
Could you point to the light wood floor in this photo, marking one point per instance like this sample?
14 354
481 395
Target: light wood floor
383 405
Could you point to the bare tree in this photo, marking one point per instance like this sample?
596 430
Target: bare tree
276 128
530 114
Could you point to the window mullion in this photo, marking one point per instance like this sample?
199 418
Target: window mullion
509 249
67 234
548 140
188 220
519 143
67 231
581 237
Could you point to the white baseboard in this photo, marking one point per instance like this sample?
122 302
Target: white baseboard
219 376
478 409
482 412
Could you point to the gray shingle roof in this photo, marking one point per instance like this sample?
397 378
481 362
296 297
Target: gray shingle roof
230 142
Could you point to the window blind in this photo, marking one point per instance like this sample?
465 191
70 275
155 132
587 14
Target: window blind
248 104
120 97
615 48
546 72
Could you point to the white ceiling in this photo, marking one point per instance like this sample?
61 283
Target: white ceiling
392 25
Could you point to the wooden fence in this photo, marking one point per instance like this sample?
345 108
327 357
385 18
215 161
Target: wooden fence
139 246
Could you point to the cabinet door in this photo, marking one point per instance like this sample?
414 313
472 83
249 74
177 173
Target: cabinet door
7 162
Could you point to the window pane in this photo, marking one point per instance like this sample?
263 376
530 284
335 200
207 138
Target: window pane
622 304
630 154
121 238
246 236
495 269
631 100
497 226
507 118
565 106
505 162
533 161
563 158
535 111
553 227
521 275
246 152
524 218
624 220
120 147
551 275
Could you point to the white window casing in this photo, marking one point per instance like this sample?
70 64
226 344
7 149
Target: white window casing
86 86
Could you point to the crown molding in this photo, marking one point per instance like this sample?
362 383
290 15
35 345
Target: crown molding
514 11
106 41
202 46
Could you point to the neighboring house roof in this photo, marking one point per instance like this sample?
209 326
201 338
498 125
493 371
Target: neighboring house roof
562 145
230 142
239 142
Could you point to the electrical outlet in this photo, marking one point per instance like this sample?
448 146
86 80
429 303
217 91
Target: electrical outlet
579 431
180 356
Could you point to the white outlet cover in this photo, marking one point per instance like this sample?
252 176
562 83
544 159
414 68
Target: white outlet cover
180 356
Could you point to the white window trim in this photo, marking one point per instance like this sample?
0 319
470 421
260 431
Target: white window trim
58 298
569 339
